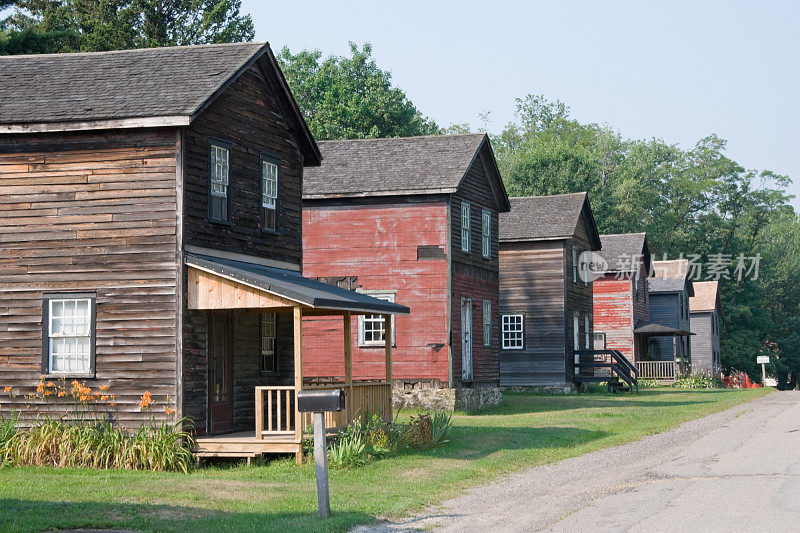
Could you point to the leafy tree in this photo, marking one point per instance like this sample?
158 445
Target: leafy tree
96 25
350 97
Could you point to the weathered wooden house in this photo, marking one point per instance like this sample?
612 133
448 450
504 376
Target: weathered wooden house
620 290
704 315
151 214
545 291
670 289
412 220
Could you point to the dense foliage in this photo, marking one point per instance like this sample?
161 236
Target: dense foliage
48 26
350 97
689 201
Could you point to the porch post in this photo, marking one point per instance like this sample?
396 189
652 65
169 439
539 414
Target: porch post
298 379
387 320
348 364
675 366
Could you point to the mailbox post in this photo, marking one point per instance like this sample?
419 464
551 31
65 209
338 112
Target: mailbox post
319 402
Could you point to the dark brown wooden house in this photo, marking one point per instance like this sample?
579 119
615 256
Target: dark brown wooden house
151 241
414 220
545 291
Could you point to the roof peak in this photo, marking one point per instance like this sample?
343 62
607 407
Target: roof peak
582 193
387 139
258 44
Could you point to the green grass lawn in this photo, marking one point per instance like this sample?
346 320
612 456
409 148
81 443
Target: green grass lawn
524 430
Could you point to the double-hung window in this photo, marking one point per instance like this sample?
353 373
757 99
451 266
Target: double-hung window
486 233
487 322
574 264
465 227
513 332
219 181
269 193
68 333
372 328
269 356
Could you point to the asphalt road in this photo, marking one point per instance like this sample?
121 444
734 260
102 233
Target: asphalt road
738 470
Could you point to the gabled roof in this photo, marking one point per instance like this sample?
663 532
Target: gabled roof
534 218
706 297
292 286
432 164
132 88
671 276
620 249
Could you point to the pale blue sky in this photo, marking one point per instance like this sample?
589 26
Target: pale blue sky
673 69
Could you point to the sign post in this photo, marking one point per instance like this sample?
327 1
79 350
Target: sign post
319 402
763 360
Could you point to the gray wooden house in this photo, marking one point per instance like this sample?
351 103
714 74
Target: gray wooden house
545 299
151 206
670 289
704 314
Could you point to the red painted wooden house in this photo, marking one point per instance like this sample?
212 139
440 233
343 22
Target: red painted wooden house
620 288
412 220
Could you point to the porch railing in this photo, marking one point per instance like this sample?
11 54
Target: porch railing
660 370
276 407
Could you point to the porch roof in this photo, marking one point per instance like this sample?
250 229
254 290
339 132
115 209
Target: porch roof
657 330
294 287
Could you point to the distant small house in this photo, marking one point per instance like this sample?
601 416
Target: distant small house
413 220
545 290
621 300
704 313
670 290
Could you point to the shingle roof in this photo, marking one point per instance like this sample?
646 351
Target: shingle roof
620 249
671 276
151 82
392 166
705 296
544 217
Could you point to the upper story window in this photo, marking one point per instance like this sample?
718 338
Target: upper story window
465 227
486 233
68 332
487 322
372 328
219 181
513 332
574 264
270 171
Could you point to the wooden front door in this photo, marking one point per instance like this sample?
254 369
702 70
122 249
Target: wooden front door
466 339
220 372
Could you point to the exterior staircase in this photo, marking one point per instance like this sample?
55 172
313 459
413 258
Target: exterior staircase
609 366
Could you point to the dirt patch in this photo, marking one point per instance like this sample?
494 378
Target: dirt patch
416 473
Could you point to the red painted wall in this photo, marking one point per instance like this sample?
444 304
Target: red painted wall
378 243
613 313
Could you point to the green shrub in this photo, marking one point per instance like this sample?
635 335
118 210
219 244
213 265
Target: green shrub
649 383
442 423
697 381
349 449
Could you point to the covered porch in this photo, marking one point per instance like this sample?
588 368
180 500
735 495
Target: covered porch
269 304
662 370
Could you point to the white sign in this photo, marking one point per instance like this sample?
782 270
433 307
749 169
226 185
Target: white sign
762 359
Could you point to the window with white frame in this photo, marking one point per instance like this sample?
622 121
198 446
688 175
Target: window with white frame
513 332
574 264
269 355
219 182
487 322
269 194
465 227
372 328
576 332
68 335
486 233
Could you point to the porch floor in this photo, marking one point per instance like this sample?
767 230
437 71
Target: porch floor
244 444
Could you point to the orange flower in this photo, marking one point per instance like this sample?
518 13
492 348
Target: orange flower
104 387
61 394
169 411
7 389
146 400
112 404
48 393
104 397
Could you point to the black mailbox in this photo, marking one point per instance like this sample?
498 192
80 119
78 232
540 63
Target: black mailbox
319 401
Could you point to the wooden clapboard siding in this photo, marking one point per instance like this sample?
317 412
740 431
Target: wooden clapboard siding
377 240
704 342
473 276
579 299
92 212
532 284
248 116
665 310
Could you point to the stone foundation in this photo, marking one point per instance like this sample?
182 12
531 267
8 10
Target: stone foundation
435 397
560 388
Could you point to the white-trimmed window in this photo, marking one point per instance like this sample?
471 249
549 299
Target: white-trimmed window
576 331
68 334
486 233
269 193
219 181
586 333
465 227
269 355
487 322
513 332
372 328
574 264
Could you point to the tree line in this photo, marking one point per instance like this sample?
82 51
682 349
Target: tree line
693 202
